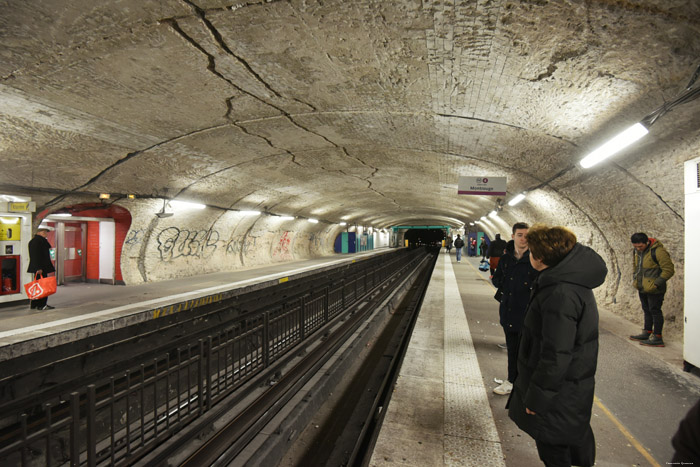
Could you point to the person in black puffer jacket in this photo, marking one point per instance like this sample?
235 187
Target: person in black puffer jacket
513 278
552 395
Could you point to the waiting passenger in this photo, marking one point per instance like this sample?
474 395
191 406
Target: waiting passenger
652 268
552 396
495 251
40 264
514 277
459 243
483 247
448 244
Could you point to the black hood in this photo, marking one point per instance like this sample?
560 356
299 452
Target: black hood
582 266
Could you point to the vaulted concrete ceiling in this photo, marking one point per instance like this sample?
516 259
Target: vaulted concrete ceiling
361 110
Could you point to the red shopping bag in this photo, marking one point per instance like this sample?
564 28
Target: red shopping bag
40 288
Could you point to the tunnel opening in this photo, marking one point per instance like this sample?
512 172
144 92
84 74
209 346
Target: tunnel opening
416 238
87 242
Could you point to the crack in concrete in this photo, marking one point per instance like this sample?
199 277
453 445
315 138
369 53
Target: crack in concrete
201 14
184 189
141 261
127 158
641 183
269 143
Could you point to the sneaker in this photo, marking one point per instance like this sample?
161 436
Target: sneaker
641 337
47 307
504 389
655 340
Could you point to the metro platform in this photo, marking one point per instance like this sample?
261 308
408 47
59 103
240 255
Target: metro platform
443 410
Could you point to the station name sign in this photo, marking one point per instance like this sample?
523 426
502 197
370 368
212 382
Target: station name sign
477 185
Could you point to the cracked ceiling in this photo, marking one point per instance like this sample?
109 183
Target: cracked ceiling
366 111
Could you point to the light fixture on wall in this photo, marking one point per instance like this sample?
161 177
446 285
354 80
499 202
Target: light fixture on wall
493 214
518 198
313 221
131 196
287 218
250 213
182 205
638 130
615 145
105 196
343 223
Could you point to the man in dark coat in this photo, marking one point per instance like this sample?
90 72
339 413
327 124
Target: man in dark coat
552 396
495 251
513 278
40 263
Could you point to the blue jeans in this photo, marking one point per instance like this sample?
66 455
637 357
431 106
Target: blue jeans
459 254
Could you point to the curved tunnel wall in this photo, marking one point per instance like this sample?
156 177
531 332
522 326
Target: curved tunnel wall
604 207
205 241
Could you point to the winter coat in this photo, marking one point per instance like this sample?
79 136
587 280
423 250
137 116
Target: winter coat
459 243
650 276
496 248
514 278
558 351
40 255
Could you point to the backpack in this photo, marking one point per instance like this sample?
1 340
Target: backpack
484 265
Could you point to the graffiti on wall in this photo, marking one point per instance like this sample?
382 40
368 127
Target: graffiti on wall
283 249
174 243
315 241
134 237
239 245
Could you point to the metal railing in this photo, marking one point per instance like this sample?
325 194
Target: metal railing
118 419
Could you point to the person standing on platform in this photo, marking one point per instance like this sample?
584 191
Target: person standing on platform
40 263
472 247
513 279
552 396
652 268
495 251
448 244
459 243
483 247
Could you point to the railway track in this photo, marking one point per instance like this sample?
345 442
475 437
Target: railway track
233 378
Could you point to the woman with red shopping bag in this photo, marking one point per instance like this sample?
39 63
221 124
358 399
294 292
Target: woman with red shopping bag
40 264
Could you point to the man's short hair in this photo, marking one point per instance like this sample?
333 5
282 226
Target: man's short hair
520 225
550 244
639 237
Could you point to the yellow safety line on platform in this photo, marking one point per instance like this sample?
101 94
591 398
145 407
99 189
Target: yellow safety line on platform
626 433
637 445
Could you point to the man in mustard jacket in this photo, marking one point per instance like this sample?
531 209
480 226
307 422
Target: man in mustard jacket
652 268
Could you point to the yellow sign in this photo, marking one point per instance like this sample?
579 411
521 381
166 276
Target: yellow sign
10 229
18 207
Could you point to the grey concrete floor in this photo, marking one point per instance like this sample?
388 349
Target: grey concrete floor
641 393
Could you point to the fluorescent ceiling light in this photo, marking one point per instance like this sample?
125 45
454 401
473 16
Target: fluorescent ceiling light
313 221
517 199
493 214
471 223
618 143
343 223
287 218
250 213
186 205
61 214
483 218
9 220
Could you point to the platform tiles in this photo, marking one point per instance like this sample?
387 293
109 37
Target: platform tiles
439 413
